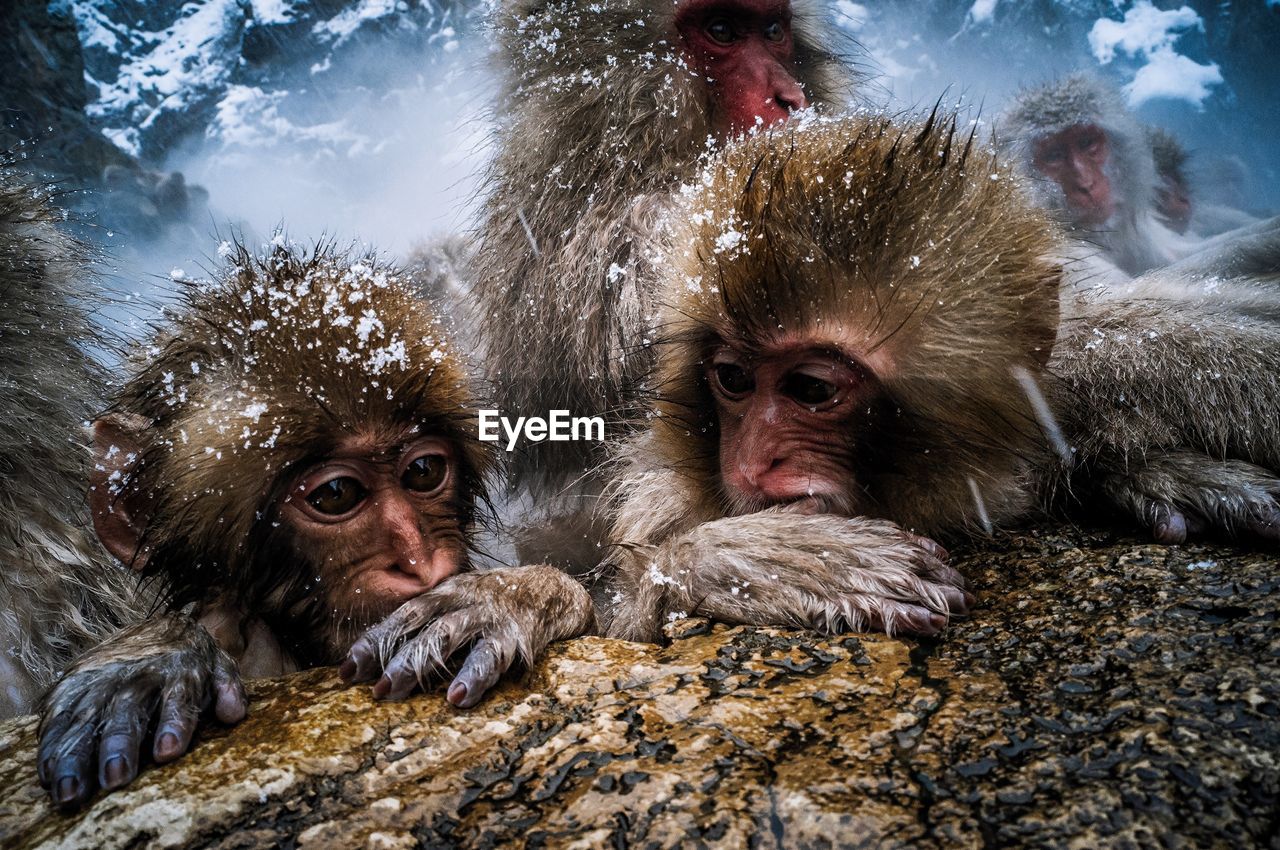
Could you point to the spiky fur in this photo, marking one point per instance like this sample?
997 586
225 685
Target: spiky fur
267 369
1134 240
59 592
896 243
599 119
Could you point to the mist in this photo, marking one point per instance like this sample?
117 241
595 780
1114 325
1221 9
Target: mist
383 141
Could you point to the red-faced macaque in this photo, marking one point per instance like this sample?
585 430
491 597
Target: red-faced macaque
838 362
1090 161
867 338
604 109
59 593
294 457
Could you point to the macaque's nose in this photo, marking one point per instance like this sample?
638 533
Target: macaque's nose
751 469
787 93
414 552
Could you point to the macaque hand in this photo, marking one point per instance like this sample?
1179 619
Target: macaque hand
162 673
496 615
1177 494
825 572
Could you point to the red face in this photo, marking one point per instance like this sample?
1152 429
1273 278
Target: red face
744 49
784 418
386 523
1074 158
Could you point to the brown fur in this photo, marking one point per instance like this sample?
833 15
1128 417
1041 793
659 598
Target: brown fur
887 241
59 592
261 372
599 119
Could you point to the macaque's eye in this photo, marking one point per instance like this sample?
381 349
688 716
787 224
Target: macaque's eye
720 30
425 474
337 496
774 31
807 389
733 379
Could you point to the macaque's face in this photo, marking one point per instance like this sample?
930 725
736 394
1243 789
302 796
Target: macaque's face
785 424
744 49
380 526
1075 158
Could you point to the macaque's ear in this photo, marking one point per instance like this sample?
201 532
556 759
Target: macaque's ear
119 513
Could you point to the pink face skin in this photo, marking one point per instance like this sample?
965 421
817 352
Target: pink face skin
783 423
1074 159
744 49
386 520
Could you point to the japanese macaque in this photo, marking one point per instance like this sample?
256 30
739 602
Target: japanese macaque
838 364
869 336
294 457
1092 164
604 109
60 593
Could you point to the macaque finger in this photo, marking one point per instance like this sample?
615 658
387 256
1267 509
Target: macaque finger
933 547
1168 525
120 740
877 614
369 656
426 654
71 778
179 714
230 704
489 658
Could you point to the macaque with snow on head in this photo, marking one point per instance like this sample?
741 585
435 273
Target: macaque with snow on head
604 109
1091 161
293 459
867 337
837 363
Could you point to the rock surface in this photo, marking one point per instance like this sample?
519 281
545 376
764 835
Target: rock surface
1107 692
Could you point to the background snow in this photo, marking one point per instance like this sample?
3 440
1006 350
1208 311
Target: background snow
364 119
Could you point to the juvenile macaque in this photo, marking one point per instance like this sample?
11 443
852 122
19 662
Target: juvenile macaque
294 457
604 109
1090 161
838 364
60 593
862 343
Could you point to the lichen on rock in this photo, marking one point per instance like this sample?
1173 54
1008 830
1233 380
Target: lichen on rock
1105 692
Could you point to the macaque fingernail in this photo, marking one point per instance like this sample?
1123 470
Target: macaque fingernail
166 745
381 688
66 790
347 670
115 772
457 693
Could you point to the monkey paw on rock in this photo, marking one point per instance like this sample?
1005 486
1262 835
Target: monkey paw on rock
825 572
1177 494
497 616
161 674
